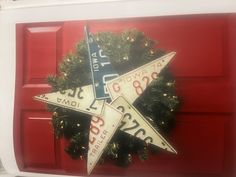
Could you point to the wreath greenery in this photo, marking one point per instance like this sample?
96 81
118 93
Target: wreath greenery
158 103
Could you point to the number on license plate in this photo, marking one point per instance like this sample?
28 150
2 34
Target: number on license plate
135 124
79 99
132 84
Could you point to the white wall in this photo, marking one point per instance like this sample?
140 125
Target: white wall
2 171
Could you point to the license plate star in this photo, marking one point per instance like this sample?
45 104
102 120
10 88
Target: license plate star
120 113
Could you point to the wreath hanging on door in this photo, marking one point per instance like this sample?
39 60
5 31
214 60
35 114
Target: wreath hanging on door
158 103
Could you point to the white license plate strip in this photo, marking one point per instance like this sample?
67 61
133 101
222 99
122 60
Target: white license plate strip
101 131
132 84
80 99
135 124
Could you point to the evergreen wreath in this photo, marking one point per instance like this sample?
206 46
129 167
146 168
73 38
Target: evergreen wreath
158 103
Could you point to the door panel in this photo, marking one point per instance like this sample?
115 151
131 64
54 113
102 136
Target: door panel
41 47
35 133
205 80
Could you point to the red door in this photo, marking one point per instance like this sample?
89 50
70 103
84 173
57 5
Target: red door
205 77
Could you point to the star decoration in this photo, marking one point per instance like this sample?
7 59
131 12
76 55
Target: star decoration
119 114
